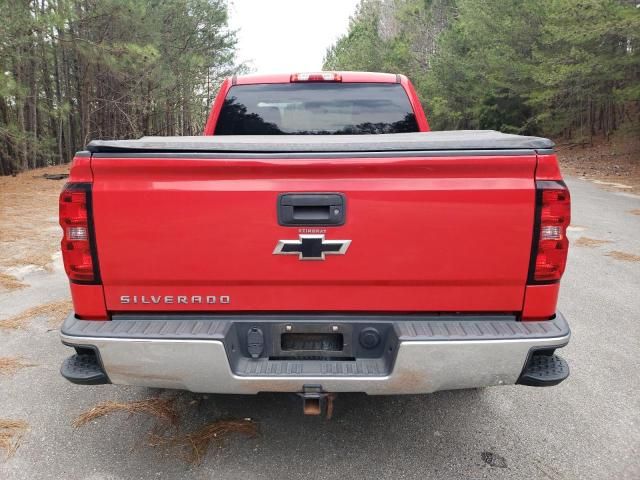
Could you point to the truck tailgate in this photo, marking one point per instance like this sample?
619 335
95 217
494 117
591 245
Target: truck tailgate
429 233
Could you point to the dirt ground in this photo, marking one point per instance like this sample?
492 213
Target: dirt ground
613 163
29 230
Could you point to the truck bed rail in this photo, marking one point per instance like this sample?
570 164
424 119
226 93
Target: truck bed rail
462 140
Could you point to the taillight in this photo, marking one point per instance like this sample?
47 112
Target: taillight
78 252
316 77
550 243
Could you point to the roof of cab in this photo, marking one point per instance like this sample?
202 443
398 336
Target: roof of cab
347 77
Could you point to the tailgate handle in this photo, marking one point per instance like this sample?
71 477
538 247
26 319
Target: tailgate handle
295 209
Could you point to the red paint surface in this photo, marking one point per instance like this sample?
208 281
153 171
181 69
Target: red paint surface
548 168
421 118
428 234
357 77
210 127
540 301
81 170
88 301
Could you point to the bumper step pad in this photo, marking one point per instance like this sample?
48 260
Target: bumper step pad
84 370
544 371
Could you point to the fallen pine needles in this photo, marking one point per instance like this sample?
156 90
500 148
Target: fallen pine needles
11 432
55 311
590 242
161 408
10 365
9 282
197 443
624 256
58 312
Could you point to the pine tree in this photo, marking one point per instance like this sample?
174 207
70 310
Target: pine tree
74 70
554 67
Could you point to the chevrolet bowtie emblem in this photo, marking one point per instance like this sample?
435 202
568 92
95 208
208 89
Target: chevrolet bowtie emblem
312 247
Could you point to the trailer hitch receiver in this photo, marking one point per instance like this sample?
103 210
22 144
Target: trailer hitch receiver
315 401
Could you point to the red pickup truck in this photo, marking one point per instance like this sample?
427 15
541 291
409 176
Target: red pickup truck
316 239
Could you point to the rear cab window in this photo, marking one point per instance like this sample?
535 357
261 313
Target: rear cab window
316 109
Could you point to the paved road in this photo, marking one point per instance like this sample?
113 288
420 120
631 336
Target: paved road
588 427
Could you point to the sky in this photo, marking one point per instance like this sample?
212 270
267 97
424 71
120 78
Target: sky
286 36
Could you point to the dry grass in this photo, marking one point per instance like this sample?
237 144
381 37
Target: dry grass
29 231
197 443
589 242
161 408
54 311
9 282
10 365
11 432
624 256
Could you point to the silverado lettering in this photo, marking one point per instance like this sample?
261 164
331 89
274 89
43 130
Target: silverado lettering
443 251
182 299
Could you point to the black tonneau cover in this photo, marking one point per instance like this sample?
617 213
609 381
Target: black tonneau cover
473 140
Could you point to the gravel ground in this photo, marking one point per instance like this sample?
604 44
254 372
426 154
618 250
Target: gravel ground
588 427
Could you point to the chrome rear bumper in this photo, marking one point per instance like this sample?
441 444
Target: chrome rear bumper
425 356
